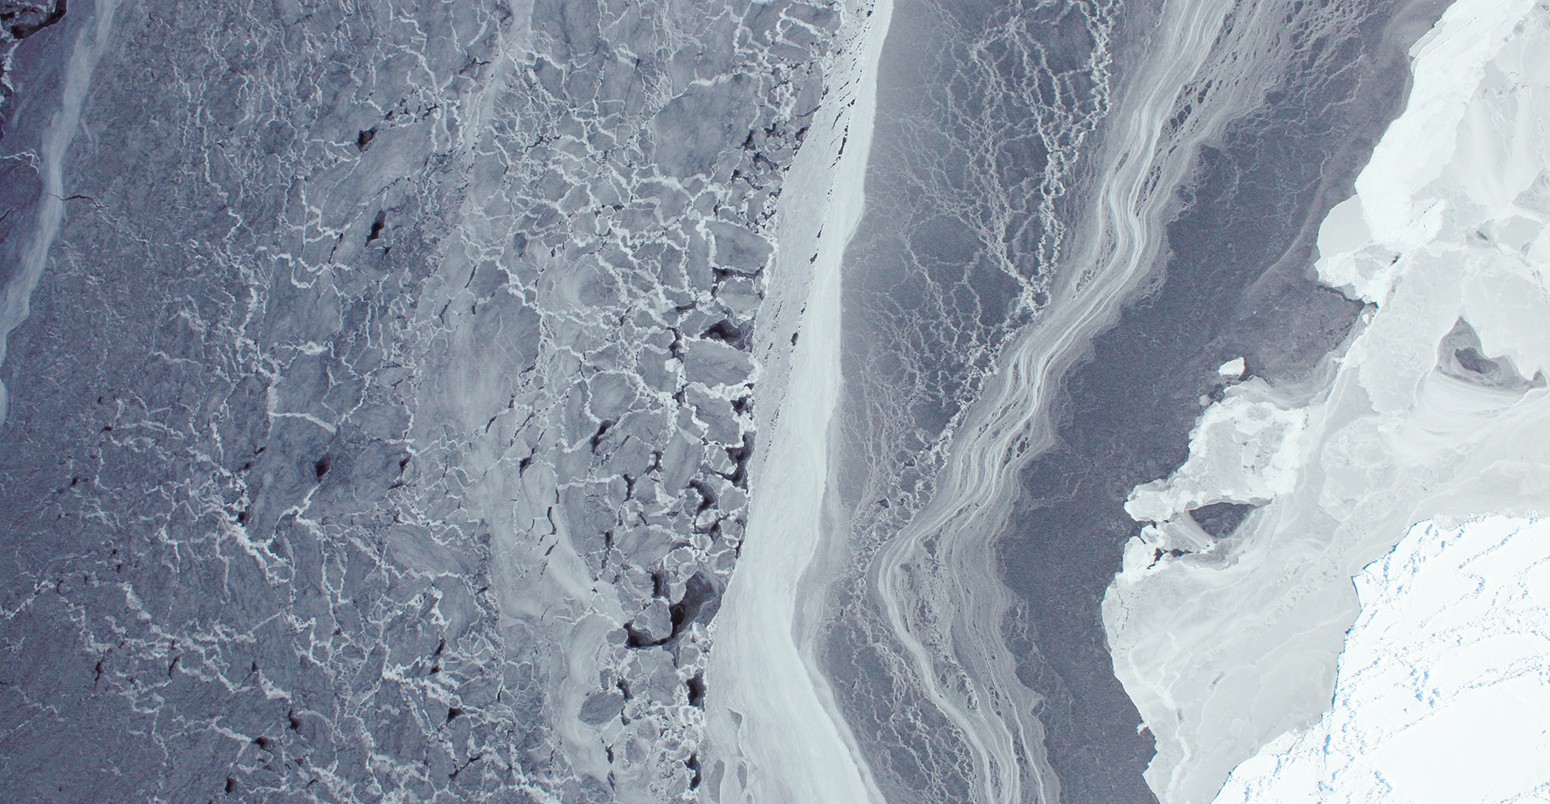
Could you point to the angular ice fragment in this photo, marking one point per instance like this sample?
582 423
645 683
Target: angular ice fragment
1233 369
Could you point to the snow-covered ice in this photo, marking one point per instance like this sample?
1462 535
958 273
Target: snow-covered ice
1443 692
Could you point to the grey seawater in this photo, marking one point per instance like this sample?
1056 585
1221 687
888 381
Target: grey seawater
976 230
379 426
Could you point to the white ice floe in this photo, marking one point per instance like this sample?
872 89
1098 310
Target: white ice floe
1245 449
776 733
1443 692
1438 411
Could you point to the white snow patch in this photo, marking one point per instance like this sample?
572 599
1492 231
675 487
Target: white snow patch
1443 691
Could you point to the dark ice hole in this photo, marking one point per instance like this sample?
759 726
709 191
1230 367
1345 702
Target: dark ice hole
696 687
1471 359
726 332
376 226
693 763
602 430
636 638
25 22
740 456
700 602
707 495
1219 520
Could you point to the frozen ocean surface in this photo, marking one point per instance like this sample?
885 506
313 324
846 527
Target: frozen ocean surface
773 400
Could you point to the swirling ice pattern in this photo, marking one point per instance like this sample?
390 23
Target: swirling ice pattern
982 153
931 487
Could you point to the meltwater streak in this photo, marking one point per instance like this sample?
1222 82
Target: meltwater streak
774 729
16 297
937 579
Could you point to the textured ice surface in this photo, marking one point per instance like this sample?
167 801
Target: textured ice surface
1443 688
20 19
1011 375
381 389
1436 410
